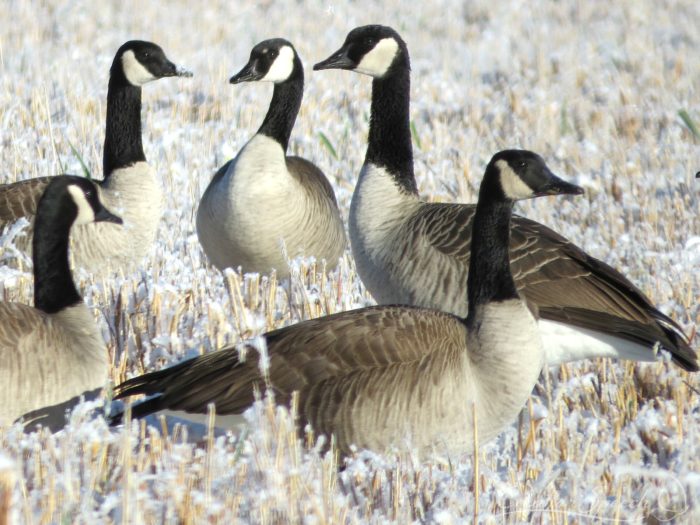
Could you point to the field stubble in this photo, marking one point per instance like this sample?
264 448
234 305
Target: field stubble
596 89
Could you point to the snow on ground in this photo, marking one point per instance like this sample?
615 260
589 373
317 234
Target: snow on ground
595 88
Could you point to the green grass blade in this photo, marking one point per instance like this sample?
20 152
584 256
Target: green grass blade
414 134
688 121
86 171
564 126
327 144
58 158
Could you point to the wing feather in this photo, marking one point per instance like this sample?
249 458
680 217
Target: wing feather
302 357
310 177
557 279
20 199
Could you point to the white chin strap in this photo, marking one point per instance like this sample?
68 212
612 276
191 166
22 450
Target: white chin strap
134 71
378 61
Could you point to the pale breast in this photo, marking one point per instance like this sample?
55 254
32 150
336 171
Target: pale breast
134 194
257 216
378 214
47 359
506 350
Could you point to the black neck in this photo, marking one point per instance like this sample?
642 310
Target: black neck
53 284
123 145
284 106
489 276
389 143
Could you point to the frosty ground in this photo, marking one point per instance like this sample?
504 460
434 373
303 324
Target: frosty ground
596 89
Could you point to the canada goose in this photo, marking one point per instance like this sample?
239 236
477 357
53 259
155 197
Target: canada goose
411 252
130 184
264 207
376 376
53 353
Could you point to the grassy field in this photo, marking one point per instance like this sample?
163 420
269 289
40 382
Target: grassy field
608 94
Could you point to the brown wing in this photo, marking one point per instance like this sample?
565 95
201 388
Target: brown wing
570 286
448 228
310 177
559 281
20 199
300 356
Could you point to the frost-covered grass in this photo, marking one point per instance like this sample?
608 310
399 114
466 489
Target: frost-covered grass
595 88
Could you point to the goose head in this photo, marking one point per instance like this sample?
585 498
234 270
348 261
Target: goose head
514 174
139 62
77 198
373 50
274 60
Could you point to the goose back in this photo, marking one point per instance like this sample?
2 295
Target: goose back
372 377
19 199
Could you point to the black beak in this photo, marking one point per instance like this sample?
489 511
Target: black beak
247 74
338 60
104 215
697 175
557 186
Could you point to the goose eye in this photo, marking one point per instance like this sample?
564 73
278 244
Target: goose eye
523 164
370 40
273 53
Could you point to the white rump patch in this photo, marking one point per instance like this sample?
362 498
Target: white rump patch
513 186
85 212
282 67
134 70
377 62
564 343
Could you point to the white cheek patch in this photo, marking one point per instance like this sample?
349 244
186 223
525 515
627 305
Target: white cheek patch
513 186
282 67
377 62
85 212
134 71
